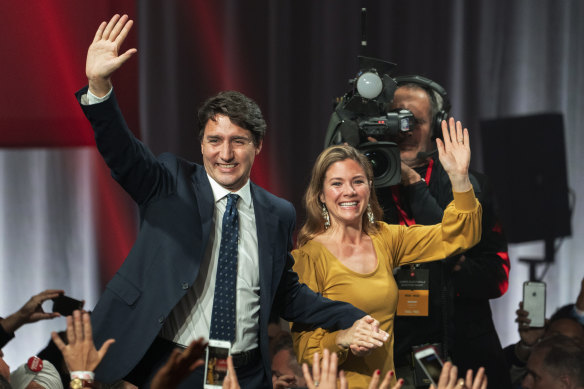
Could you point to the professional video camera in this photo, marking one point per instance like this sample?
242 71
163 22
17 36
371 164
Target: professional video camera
362 113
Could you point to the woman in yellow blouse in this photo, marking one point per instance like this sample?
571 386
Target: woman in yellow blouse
345 254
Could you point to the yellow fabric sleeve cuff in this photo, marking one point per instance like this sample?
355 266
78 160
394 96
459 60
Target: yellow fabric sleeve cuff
465 201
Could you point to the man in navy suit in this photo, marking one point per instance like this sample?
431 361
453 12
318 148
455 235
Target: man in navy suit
162 296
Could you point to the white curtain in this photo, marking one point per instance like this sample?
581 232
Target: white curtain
47 235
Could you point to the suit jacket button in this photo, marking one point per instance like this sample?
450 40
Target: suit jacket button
161 319
185 285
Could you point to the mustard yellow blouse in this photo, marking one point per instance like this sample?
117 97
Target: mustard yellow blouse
376 293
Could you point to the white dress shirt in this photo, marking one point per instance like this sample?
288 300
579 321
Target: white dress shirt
191 317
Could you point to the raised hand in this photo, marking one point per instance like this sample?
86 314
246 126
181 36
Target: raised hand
324 373
363 336
386 383
180 365
454 153
32 311
103 57
449 379
80 353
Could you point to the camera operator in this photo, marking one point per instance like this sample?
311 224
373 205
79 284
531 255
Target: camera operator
455 314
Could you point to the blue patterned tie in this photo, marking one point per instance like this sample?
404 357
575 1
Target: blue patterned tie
223 317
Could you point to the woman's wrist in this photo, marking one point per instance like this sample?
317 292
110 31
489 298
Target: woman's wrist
341 339
460 183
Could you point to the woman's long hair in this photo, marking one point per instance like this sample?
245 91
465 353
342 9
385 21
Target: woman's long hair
314 224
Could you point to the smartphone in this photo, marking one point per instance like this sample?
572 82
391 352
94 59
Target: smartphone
430 362
66 305
534 302
216 363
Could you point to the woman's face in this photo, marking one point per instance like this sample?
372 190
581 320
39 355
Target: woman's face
345 192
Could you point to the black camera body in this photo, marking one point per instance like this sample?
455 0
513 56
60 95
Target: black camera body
362 113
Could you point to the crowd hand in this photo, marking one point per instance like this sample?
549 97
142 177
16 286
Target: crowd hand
230 381
284 381
324 373
449 379
80 353
454 154
528 335
31 312
103 57
363 336
386 383
180 365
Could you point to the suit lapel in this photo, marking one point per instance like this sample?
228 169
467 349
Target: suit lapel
205 204
267 227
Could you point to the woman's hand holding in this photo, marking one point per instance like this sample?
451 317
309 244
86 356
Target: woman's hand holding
454 153
363 336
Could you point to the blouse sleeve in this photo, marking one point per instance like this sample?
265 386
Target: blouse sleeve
309 341
460 230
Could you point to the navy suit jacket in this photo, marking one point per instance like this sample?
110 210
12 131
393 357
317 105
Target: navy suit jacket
176 217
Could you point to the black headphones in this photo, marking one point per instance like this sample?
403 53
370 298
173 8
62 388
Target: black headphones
432 88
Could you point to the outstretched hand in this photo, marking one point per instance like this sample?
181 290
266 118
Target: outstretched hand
80 353
180 365
454 153
324 372
386 383
449 379
103 57
32 311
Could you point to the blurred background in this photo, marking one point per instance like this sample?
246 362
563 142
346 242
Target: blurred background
65 224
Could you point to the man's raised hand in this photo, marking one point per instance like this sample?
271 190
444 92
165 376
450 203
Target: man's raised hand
103 57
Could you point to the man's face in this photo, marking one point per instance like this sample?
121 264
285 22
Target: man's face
284 364
419 140
228 152
538 377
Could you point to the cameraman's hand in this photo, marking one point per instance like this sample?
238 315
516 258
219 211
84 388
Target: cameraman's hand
408 175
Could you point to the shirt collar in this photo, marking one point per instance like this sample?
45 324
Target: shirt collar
220 192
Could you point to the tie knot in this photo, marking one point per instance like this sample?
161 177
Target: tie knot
232 200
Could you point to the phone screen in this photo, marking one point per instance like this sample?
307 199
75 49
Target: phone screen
216 363
431 364
66 305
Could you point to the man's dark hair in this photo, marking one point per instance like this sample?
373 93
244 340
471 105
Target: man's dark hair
282 341
240 109
564 356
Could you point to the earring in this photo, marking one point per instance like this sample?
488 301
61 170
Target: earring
370 214
326 217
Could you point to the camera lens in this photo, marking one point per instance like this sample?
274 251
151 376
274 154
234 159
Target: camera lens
378 161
